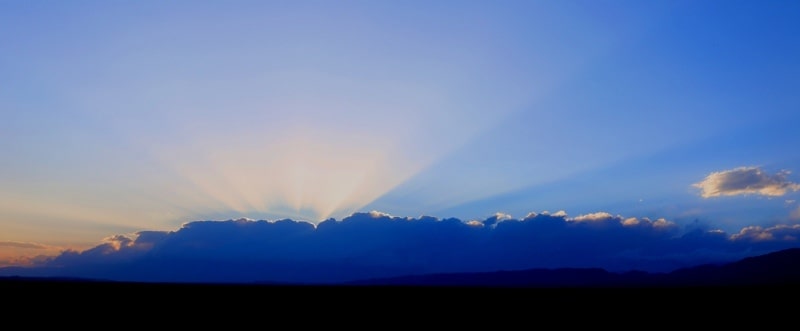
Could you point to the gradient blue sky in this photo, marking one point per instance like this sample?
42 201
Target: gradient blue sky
121 116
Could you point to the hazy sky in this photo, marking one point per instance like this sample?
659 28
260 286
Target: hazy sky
121 116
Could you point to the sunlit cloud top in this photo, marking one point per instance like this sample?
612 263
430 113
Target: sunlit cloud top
744 181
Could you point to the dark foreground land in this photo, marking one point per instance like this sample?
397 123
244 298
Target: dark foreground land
102 289
768 284
235 306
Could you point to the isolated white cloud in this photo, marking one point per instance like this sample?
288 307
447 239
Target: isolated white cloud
746 180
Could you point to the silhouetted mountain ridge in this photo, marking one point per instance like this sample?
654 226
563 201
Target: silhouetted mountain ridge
778 268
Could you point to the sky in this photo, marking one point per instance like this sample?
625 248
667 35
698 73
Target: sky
121 117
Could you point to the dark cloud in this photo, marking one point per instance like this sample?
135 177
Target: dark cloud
745 180
367 245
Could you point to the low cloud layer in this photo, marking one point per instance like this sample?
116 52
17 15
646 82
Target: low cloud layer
783 232
746 180
367 245
20 253
26 245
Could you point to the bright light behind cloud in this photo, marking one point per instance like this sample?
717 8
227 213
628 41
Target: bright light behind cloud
272 112
276 110
118 117
294 174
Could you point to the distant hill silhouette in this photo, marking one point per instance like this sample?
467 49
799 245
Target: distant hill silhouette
779 268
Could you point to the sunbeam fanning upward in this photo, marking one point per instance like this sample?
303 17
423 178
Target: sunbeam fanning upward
274 109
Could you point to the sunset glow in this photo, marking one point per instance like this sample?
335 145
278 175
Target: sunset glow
124 126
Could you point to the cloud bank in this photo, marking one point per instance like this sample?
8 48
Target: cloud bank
746 180
368 245
16 253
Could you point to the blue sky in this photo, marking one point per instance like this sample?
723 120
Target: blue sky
120 117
